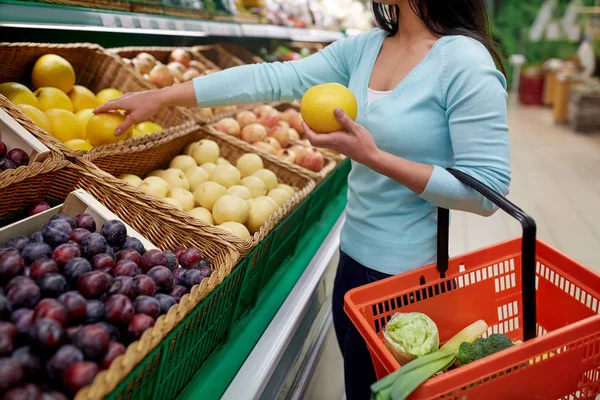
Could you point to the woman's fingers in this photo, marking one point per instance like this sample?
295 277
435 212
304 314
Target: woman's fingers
323 140
128 123
344 119
109 106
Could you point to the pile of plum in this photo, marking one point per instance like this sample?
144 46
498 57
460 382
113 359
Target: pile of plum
72 298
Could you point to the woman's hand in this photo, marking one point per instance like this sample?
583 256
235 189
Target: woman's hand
354 141
138 107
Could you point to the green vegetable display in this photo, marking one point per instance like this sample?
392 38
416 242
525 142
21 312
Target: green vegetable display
469 352
411 335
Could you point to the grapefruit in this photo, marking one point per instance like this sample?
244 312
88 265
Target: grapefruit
106 95
18 94
319 102
36 116
146 128
78 144
82 98
51 97
101 129
84 116
64 125
54 71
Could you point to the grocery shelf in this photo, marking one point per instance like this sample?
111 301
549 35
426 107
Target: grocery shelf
22 14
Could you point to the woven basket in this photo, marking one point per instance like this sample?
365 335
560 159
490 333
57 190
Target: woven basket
147 6
95 69
118 5
246 56
157 155
218 55
55 180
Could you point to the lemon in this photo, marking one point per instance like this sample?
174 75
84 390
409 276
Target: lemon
319 102
54 71
78 144
84 116
18 94
82 98
36 116
50 97
101 129
106 95
64 125
146 128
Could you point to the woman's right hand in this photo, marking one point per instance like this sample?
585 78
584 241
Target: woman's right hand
138 106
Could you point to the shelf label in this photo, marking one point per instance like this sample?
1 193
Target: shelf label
162 24
179 25
108 20
145 23
127 21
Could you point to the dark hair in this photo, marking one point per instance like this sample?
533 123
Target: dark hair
457 17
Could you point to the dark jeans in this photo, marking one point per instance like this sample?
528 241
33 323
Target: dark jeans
359 373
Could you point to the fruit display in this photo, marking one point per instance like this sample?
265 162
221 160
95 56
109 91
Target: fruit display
237 196
74 296
12 158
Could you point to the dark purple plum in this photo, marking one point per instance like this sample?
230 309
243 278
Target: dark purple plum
112 330
127 268
51 309
78 235
53 396
204 263
18 242
92 340
31 362
138 325
123 285
23 320
76 306
94 311
86 221
11 374
18 156
172 261
11 264
115 232
24 296
135 244
144 285
75 268
3 149
41 267
6 308
65 253
19 281
178 275
37 237
147 305
115 349
205 271
27 392
94 284
103 262
62 360
119 309
110 251
53 285
129 255
177 292
38 208
8 334
63 217
163 278
153 258
93 244
80 375
165 301
6 164
189 258
178 252
191 278
36 250
56 232
47 335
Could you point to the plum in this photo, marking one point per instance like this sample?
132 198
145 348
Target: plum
80 375
47 335
138 325
123 285
189 258
3 149
147 305
127 268
6 164
18 242
191 278
6 308
26 392
62 360
24 295
94 311
23 320
86 221
178 252
113 332
103 262
119 309
133 243
36 250
41 267
172 261
203 264
78 235
56 232
178 275
65 253
37 237
51 309
38 208
19 281
53 285
115 349
11 374
18 156
8 334
66 218
53 396
93 244
129 255
115 232
94 284
206 271
177 292
110 251
163 278
76 306
144 285
165 301
75 268
92 340
153 258
11 264
31 362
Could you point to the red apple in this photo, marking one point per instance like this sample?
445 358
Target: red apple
269 120
281 134
181 56
311 159
160 76
266 147
295 122
254 133
190 74
274 143
287 155
176 69
246 118
263 110
229 126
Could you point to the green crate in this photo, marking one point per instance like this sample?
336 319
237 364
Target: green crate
166 371
341 178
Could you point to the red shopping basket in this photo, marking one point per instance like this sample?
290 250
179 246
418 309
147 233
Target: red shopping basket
522 288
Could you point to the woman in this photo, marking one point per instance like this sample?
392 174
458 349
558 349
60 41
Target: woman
430 97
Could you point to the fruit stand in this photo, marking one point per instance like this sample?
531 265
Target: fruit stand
237 217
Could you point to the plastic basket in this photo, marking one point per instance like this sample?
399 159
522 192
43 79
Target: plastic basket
522 288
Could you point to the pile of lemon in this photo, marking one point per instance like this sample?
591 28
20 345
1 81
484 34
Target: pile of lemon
66 110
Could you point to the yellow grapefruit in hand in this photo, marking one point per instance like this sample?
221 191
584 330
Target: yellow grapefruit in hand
54 71
64 125
78 144
18 94
82 98
106 95
50 97
101 129
36 116
319 102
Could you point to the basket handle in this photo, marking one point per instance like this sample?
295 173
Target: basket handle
527 253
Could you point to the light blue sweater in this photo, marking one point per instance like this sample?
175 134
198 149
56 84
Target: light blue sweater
450 111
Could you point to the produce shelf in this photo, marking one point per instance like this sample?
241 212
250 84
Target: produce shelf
21 14
278 310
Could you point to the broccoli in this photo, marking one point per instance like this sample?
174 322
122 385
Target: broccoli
469 352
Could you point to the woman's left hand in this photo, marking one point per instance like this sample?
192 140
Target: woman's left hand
354 141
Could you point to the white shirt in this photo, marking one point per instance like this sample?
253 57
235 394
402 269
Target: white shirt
376 94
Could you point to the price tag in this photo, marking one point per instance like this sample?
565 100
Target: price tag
127 21
162 24
145 23
108 20
179 25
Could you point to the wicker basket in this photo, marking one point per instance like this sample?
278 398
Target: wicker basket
95 69
55 180
142 160
218 55
147 6
246 56
118 5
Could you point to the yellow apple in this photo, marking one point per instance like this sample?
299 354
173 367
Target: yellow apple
209 167
133 180
230 209
222 161
174 202
155 186
196 176
157 172
256 186
249 163
240 191
202 214
183 163
226 175
82 98
185 197
268 177
206 151
259 211
236 229
176 179
279 195
208 193
287 188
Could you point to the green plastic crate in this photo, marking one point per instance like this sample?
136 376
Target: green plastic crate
165 372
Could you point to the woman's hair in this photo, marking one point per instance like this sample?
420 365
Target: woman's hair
456 17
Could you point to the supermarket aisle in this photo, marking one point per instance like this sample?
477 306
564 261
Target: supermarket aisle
555 180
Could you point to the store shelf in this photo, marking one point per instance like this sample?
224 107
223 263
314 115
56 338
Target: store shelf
19 14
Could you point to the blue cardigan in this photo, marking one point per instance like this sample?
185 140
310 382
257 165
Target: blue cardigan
450 111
